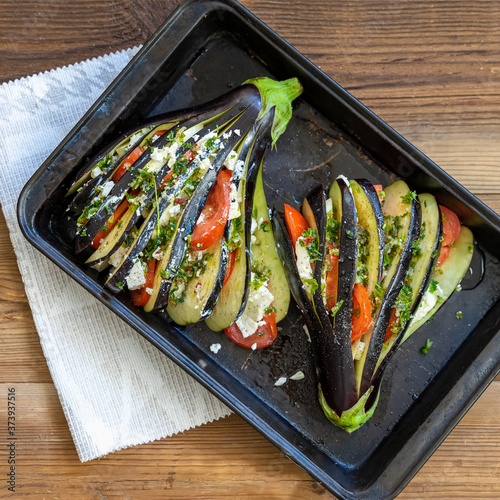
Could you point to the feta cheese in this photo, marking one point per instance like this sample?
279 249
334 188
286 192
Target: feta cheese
205 138
95 172
298 375
158 254
329 205
254 346
304 264
169 213
231 160
234 207
137 276
306 331
106 188
149 291
357 349
134 138
215 348
117 256
181 286
258 301
428 301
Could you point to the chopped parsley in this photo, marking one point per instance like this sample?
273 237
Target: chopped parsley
433 286
409 197
426 347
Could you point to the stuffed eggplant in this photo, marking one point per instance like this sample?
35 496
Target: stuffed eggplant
169 207
361 264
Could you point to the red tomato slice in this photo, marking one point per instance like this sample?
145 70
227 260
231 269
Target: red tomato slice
331 282
362 313
140 297
378 188
110 224
264 337
126 163
215 213
443 255
230 266
392 321
295 223
451 228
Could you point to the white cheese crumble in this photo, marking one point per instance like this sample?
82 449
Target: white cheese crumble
234 206
95 172
205 138
181 286
149 291
134 138
158 254
357 349
298 375
137 276
215 348
329 205
117 256
258 301
106 188
254 346
304 264
231 160
428 301
280 381
306 330
170 212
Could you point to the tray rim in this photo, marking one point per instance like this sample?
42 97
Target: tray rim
484 360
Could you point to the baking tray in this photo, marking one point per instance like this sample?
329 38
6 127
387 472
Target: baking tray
203 49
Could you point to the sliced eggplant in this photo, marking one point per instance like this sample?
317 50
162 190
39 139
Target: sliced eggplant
401 225
425 254
197 284
370 220
447 277
263 250
182 187
192 212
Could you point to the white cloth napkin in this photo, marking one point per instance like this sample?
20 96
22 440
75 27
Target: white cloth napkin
116 389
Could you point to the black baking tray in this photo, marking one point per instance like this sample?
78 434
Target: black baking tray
200 52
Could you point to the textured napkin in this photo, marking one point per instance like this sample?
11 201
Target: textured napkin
116 389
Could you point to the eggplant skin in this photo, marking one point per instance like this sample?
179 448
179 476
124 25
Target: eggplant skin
145 199
413 226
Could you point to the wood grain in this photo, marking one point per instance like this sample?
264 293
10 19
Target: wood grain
430 69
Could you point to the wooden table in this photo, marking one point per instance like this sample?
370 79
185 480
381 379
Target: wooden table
430 69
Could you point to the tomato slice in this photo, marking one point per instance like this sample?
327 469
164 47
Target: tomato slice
214 214
126 163
230 266
379 189
451 228
392 321
110 224
264 337
362 312
331 282
295 223
140 296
